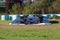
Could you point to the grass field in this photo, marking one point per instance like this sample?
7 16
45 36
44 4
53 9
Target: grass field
5 22
17 32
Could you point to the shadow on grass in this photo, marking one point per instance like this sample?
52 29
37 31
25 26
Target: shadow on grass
2 38
54 22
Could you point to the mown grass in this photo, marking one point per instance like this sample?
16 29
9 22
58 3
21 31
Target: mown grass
15 34
5 22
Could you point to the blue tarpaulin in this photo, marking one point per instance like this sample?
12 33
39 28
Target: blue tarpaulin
30 20
45 20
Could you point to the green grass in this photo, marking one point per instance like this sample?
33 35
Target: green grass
54 35
5 22
15 34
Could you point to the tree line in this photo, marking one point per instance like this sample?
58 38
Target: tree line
39 7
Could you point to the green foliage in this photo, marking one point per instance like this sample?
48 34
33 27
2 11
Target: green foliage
29 9
56 6
32 8
15 8
40 6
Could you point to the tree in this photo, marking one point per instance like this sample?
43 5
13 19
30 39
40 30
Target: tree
15 9
56 6
33 8
41 7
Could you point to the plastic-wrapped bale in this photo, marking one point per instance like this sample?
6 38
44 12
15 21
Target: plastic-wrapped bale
45 20
31 20
16 21
35 20
5 17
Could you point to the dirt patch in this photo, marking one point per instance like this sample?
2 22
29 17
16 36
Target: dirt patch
32 27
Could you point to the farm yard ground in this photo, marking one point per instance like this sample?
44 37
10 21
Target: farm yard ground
29 32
